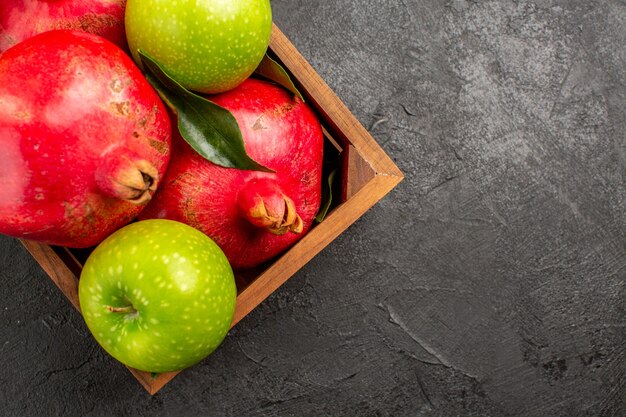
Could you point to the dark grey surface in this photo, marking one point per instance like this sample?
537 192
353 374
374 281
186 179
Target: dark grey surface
489 283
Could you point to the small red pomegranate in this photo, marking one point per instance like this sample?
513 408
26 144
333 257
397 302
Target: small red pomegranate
252 215
22 19
84 139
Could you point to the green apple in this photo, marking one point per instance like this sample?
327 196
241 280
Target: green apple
158 295
208 46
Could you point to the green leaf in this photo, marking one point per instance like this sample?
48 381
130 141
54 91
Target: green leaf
273 71
208 128
327 196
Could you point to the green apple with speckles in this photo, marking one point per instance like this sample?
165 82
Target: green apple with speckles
208 46
158 295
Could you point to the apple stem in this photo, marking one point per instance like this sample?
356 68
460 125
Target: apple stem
125 309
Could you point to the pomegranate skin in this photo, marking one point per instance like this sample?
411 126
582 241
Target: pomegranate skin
84 139
22 19
253 216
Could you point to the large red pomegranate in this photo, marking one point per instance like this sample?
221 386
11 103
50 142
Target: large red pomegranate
84 139
252 215
21 19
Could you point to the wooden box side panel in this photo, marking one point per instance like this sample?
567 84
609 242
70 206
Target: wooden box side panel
343 123
57 270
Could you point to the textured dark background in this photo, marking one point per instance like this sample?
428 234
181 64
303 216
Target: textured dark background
489 283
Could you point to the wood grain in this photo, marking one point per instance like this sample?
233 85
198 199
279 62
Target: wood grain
57 270
357 173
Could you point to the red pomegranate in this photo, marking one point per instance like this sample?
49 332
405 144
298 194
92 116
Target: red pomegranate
252 215
21 19
84 139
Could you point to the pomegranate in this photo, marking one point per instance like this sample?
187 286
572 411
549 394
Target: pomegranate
22 19
84 139
252 215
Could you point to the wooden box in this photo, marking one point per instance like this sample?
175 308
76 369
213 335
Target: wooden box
367 174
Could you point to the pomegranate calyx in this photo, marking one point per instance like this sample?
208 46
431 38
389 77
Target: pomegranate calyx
262 216
128 179
264 205
291 221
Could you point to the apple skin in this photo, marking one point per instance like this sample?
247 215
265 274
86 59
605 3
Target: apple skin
178 286
208 46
